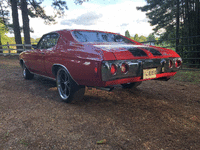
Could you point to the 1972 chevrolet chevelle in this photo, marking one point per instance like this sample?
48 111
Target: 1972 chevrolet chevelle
79 58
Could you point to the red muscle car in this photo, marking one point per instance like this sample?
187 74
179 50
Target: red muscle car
79 58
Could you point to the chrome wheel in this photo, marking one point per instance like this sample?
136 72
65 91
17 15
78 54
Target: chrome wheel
63 84
26 73
68 89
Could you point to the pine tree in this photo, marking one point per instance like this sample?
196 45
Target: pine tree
160 13
16 26
178 18
34 10
25 20
136 38
127 34
151 37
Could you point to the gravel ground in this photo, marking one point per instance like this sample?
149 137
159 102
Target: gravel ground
158 115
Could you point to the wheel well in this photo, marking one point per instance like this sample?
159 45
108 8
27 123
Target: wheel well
55 69
21 63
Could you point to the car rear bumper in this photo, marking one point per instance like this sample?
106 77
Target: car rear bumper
163 69
136 67
160 76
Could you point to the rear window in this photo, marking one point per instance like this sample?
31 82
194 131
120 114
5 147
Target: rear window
91 36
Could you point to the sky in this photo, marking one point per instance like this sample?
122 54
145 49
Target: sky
105 15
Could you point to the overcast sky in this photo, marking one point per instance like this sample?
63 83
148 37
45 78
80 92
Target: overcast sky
105 15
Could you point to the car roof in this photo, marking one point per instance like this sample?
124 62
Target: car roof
63 30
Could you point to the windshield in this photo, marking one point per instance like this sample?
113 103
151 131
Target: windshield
91 36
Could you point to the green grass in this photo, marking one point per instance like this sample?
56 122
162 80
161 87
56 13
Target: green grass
188 76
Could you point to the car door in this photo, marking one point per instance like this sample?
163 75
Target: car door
37 64
51 55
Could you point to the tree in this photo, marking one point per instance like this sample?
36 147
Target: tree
127 34
4 13
151 37
32 8
36 10
136 38
177 23
16 26
182 15
25 20
178 18
3 37
139 38
142 38
160 13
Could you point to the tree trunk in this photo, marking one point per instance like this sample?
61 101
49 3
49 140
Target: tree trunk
177 25
198 30
1 45
25 19
16 27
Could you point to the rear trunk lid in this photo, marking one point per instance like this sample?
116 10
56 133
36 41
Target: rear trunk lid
130 51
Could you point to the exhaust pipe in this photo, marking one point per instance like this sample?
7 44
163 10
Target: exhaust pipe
105 88
163 79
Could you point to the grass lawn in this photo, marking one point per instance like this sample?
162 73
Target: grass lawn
188 76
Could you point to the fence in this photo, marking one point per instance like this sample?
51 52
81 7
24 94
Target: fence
14 49
190 53
188 48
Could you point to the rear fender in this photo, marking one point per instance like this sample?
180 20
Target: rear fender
55 69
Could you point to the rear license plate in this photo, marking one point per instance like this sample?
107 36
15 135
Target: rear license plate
149 73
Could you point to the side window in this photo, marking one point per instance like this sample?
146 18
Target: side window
43 42
52 41
48 41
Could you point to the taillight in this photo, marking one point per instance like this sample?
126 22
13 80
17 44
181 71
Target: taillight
124 68
178 63
113 69
95 69
170 63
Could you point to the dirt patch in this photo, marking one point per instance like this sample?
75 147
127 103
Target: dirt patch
156 115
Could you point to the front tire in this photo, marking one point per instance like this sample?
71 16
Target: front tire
26 73
67 88
131 85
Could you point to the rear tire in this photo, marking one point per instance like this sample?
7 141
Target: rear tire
26 73
67 88
131 85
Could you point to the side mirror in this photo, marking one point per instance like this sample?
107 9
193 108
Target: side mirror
34 46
